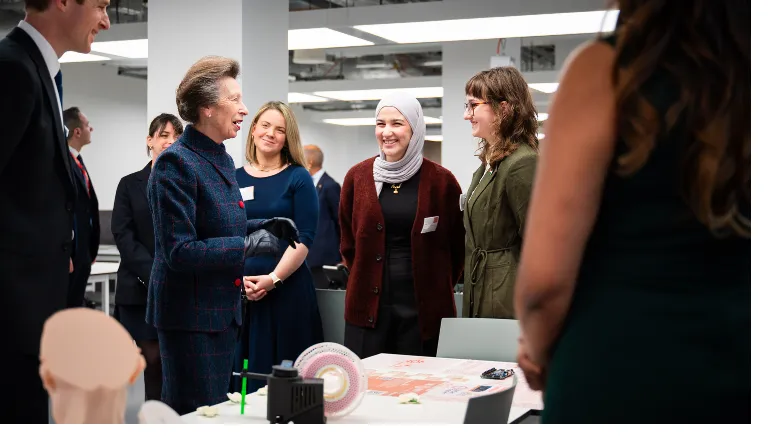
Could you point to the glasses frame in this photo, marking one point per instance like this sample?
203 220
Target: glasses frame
469 107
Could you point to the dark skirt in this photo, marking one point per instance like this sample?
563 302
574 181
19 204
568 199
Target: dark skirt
397 328
133 318
279 327
631 355
196 367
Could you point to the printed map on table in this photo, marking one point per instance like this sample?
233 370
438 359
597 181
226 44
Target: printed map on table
444 379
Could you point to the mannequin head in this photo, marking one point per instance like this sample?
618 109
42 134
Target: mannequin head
87 362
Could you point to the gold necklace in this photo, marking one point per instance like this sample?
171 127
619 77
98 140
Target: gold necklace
396 187
263 169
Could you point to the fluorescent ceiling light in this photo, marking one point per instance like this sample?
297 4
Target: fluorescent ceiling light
544 87
293 97
434 138
542 117
496 27
123 48
352 122
75 57
373 66
321 38
435 63
378 94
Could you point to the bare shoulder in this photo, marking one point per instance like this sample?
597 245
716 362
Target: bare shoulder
589 63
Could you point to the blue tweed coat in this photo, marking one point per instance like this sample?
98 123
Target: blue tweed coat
199 229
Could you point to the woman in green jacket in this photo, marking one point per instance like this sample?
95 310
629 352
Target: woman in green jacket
502 114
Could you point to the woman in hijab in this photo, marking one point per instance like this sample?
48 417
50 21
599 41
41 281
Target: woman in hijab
402 238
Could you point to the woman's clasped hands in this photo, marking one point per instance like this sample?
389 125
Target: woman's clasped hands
257 286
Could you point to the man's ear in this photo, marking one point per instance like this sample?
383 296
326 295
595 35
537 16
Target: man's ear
47 378
139 369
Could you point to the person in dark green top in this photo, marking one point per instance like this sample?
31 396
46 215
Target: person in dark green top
633 288
501 111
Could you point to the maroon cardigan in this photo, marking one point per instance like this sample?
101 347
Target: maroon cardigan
437 257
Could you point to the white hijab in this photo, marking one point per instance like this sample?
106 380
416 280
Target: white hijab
404 169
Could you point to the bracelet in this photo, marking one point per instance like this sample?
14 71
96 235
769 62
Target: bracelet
275 278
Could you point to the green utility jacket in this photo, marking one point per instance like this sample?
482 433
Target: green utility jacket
494 216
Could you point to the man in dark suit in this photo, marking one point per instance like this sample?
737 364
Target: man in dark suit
87 219
325 250
36 190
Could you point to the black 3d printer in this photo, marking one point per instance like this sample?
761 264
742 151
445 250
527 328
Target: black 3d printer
291 398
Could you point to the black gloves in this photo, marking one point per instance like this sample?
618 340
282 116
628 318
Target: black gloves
271 237
261 242
283 228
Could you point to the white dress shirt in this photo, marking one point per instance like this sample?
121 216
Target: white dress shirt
50 57
316 177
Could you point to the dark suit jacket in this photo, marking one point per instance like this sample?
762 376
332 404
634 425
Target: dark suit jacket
437 255
87 231
325 249
131 224
199 229
36 195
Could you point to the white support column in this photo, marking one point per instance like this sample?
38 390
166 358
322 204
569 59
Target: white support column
253 33
461 61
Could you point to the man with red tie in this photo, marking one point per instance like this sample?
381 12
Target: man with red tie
86 216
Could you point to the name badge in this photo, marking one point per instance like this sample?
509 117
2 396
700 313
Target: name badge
430 224
248 193
462 202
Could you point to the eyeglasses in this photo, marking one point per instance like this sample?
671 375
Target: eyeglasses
470 106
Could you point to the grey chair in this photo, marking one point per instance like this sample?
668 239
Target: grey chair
481 339
491 408
331 304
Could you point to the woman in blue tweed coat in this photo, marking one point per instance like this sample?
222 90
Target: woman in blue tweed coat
201 242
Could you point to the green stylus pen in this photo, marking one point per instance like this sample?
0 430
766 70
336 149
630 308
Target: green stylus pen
243 386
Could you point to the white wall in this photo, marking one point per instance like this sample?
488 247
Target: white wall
116 108
343 147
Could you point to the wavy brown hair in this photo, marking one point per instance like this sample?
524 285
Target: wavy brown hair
514 125
704 45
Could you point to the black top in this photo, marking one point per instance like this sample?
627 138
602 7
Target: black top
399 211
659 325
131 225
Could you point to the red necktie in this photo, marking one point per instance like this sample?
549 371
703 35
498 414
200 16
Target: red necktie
80 164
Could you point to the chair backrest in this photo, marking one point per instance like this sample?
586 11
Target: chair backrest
481 339
491 408
331 304
156 412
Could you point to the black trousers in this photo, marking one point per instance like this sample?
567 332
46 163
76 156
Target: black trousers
77 281
397 328
24 398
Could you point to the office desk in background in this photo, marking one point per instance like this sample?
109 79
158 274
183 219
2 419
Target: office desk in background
103 273
108 254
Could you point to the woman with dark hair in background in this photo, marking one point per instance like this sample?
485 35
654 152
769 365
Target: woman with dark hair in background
131 224
634 287
502 114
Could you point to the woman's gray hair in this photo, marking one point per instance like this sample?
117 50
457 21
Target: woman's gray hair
200 86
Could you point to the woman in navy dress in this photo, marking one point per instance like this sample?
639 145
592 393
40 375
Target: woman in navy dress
283 318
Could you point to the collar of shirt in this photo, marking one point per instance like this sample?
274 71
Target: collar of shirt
74 152
49 56
317 176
